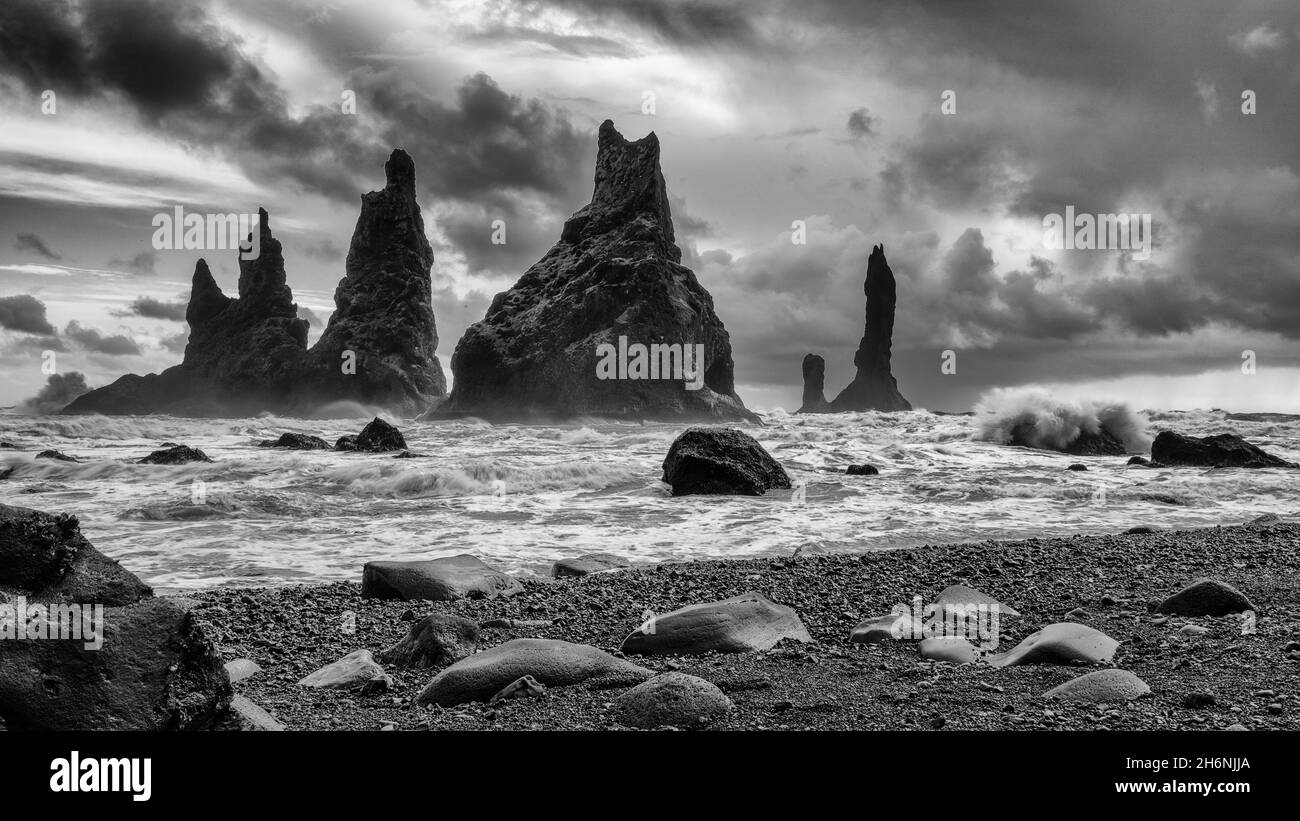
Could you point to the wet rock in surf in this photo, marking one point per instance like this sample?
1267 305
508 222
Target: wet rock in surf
1206 597
586 565
434 641
1096 443
447 579
54 454
611 288
178 455
874 386
295 441
1141 461
1060 643
861 470
550 662
1078 467
736 625
721 461
46 558
356 672
1223 450
1101 687
155 670
671 700
814 385
376 437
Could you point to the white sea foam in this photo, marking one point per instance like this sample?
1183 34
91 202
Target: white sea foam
1036 419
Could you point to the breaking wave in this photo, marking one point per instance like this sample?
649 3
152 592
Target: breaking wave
1034 418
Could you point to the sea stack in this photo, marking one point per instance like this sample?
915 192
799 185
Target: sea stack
248 354
608 323
874 387
814 385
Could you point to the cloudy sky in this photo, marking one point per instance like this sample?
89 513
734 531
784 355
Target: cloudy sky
768 111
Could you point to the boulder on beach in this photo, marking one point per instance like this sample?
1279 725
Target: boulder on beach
721 461
862 470
949 648
176 455
671 700
295 441
550 662
154 669
446 579
874 386
1060 643
522 687
436 640
248 354
44 557
240 669
357 671
1223 450
1101 687
1207 597
959 595
608 323
736 625
887 628
814 385
587 564
244 715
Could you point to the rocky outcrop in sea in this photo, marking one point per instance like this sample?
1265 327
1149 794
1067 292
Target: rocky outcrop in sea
248 354
609 323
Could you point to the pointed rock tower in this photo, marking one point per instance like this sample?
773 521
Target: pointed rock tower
874 387
384 305
249 353
595 326
814 385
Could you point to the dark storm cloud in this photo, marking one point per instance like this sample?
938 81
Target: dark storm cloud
141 263
151 308
34 243
96 342
24 313
689 24
861 124
176 342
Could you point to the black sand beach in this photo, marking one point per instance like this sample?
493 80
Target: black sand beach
1208 681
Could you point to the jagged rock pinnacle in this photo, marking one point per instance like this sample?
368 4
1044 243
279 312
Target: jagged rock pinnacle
874 386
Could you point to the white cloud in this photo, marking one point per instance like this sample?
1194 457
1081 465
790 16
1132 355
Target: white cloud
1256 41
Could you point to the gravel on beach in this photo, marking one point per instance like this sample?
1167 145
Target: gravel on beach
1233 673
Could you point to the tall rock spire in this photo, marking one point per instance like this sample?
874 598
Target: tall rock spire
611 288
874 386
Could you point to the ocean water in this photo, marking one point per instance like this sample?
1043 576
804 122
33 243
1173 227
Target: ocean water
521 497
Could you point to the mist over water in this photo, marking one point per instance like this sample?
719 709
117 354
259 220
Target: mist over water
521 497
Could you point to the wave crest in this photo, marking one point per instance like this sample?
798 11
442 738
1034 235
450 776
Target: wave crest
1034 418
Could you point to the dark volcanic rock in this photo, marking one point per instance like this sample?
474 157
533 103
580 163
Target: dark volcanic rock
1078 466
861 470
434 641
1206 597
721 461
454 577
249 354
155 670
586 565
614 279
671 700
874 387
1224 450
295 441
814 385
1143 462
551 663
1101 443
54 454
178 455
45 558
384 305
735 625
355 672
346 442
379 437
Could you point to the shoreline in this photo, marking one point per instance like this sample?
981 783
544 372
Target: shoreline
1108 582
